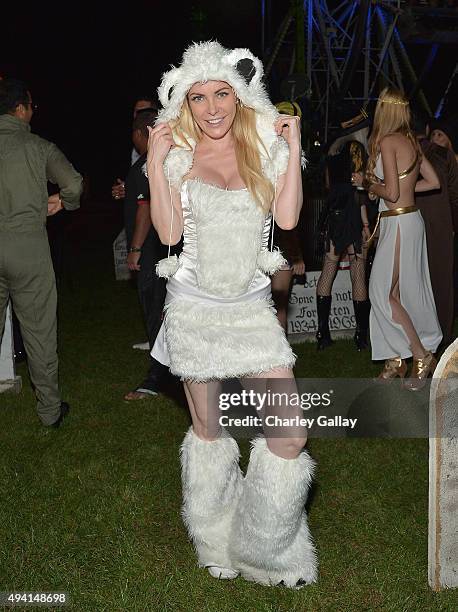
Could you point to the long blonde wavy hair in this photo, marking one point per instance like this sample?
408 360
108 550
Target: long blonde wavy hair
246 142
392 115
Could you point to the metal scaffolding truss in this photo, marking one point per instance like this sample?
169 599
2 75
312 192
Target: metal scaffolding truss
351 51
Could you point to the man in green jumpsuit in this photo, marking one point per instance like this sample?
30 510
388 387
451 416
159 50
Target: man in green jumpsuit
27 162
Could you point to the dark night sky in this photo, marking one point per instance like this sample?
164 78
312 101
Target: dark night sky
86 62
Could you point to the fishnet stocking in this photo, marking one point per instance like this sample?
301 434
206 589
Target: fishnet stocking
358 276
328 274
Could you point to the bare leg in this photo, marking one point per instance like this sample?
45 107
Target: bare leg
202 400
399 313
285 442
203 406
281 284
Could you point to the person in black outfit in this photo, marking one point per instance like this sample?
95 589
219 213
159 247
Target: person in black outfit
343 227
144 251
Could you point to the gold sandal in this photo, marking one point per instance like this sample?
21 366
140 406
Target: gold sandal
421 369
393 368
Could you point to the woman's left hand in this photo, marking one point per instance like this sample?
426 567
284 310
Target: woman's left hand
366 233
290 128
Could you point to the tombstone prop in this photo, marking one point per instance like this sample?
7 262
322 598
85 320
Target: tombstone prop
443 474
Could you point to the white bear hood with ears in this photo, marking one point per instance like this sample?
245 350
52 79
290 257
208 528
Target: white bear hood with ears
210 61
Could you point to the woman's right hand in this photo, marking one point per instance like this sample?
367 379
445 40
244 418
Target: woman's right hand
160 141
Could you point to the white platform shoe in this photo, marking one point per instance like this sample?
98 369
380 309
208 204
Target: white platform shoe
212 484
271 542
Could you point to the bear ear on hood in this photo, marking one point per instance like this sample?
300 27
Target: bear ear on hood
246 65
165 89
246 68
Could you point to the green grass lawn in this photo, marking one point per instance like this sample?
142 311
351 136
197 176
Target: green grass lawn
93 509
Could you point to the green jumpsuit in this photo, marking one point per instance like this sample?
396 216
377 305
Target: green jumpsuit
27 162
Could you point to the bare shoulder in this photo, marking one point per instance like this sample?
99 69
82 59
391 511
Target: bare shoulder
392 141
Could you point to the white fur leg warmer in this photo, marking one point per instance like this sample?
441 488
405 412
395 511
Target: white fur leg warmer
212 484
271 542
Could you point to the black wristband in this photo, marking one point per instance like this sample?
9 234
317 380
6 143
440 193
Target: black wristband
135 250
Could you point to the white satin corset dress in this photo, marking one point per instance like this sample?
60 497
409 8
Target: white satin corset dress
219 321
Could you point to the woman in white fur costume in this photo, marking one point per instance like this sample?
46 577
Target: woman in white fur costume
221 162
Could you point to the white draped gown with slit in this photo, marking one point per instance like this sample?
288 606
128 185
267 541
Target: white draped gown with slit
388 339
219 321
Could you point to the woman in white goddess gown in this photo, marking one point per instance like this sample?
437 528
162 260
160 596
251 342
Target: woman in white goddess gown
222 161
403 319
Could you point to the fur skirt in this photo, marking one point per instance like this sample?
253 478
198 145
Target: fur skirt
203 342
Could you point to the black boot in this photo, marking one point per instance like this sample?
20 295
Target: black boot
362 323
323 307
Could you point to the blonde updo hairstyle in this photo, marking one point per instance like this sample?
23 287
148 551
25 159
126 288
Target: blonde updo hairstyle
392 116
246 142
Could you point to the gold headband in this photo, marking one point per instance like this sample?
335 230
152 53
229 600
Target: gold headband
391 101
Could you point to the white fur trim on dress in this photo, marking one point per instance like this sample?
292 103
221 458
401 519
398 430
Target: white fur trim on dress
212 484
213 342
271 541
274 158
